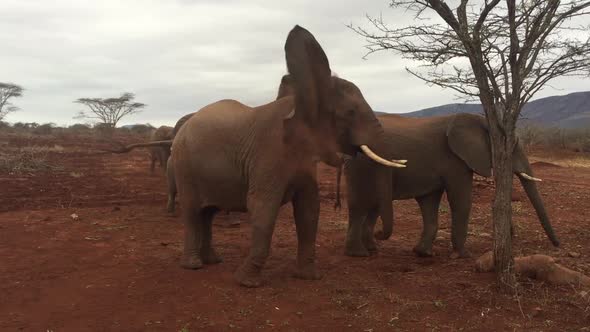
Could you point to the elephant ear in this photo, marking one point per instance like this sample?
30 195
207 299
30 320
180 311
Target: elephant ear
468 138
310 73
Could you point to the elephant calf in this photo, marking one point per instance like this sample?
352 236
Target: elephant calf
444 152
160 153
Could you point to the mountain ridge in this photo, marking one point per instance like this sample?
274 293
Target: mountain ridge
564 111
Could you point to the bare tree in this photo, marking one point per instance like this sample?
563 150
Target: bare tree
7 91
109 111
500 52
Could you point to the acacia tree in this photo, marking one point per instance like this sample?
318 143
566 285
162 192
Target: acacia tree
500 52
109 111
7 91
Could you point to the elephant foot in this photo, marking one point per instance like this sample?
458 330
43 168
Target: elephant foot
307 273
371 246
248 276
422 252
192 262
209 256
460 254
170 209
357 251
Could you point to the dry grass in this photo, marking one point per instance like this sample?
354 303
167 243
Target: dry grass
582 161
26 160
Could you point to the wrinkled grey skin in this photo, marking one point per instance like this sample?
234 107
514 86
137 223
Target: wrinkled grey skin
443 152
232 157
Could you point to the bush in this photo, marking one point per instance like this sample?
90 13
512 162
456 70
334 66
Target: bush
142 130
104 129
25 160
44 129
560 138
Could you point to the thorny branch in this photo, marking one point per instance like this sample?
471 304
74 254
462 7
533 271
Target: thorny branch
503 52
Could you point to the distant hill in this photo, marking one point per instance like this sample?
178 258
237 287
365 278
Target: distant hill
568 111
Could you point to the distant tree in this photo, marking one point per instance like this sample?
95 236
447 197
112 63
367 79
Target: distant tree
7 91
109 111
44 129
500 52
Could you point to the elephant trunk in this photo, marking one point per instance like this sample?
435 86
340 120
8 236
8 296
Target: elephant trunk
533 195
385 197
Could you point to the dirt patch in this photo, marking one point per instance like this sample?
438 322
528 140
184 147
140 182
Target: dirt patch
539 164
114 267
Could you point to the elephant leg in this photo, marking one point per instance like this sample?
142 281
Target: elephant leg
354 235
170 207
429 205
162 159
153 162
369 231
193 236
208 254
263 213
306 210
459 196
172 190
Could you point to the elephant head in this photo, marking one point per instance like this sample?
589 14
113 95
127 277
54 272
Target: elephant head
335 108
468 138
342 119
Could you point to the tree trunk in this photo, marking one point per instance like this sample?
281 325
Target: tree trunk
502 146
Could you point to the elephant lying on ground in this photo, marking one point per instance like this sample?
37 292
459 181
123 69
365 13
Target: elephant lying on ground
445 151
232 157
160 153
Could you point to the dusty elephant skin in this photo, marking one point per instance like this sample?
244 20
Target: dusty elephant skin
443 152
160 153
232 157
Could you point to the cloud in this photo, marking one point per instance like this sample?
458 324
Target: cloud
178 56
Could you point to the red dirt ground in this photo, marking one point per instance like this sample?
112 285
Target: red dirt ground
115 267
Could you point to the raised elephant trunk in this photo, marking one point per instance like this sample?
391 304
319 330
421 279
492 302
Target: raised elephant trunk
533 194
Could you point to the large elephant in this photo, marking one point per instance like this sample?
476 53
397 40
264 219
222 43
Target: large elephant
160 153
232 157
445 151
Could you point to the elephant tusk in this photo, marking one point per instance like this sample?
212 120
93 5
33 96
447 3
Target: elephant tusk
399 161
380 160
528 177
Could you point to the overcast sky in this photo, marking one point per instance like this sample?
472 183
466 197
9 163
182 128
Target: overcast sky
180 55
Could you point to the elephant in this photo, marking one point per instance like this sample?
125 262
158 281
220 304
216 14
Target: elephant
161 142
232 157
446 151
160 153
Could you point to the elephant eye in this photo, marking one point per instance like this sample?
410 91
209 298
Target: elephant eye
350 112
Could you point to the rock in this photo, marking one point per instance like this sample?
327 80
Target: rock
573 254
486 235
74 216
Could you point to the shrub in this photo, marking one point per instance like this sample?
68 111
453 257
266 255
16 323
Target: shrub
44 129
